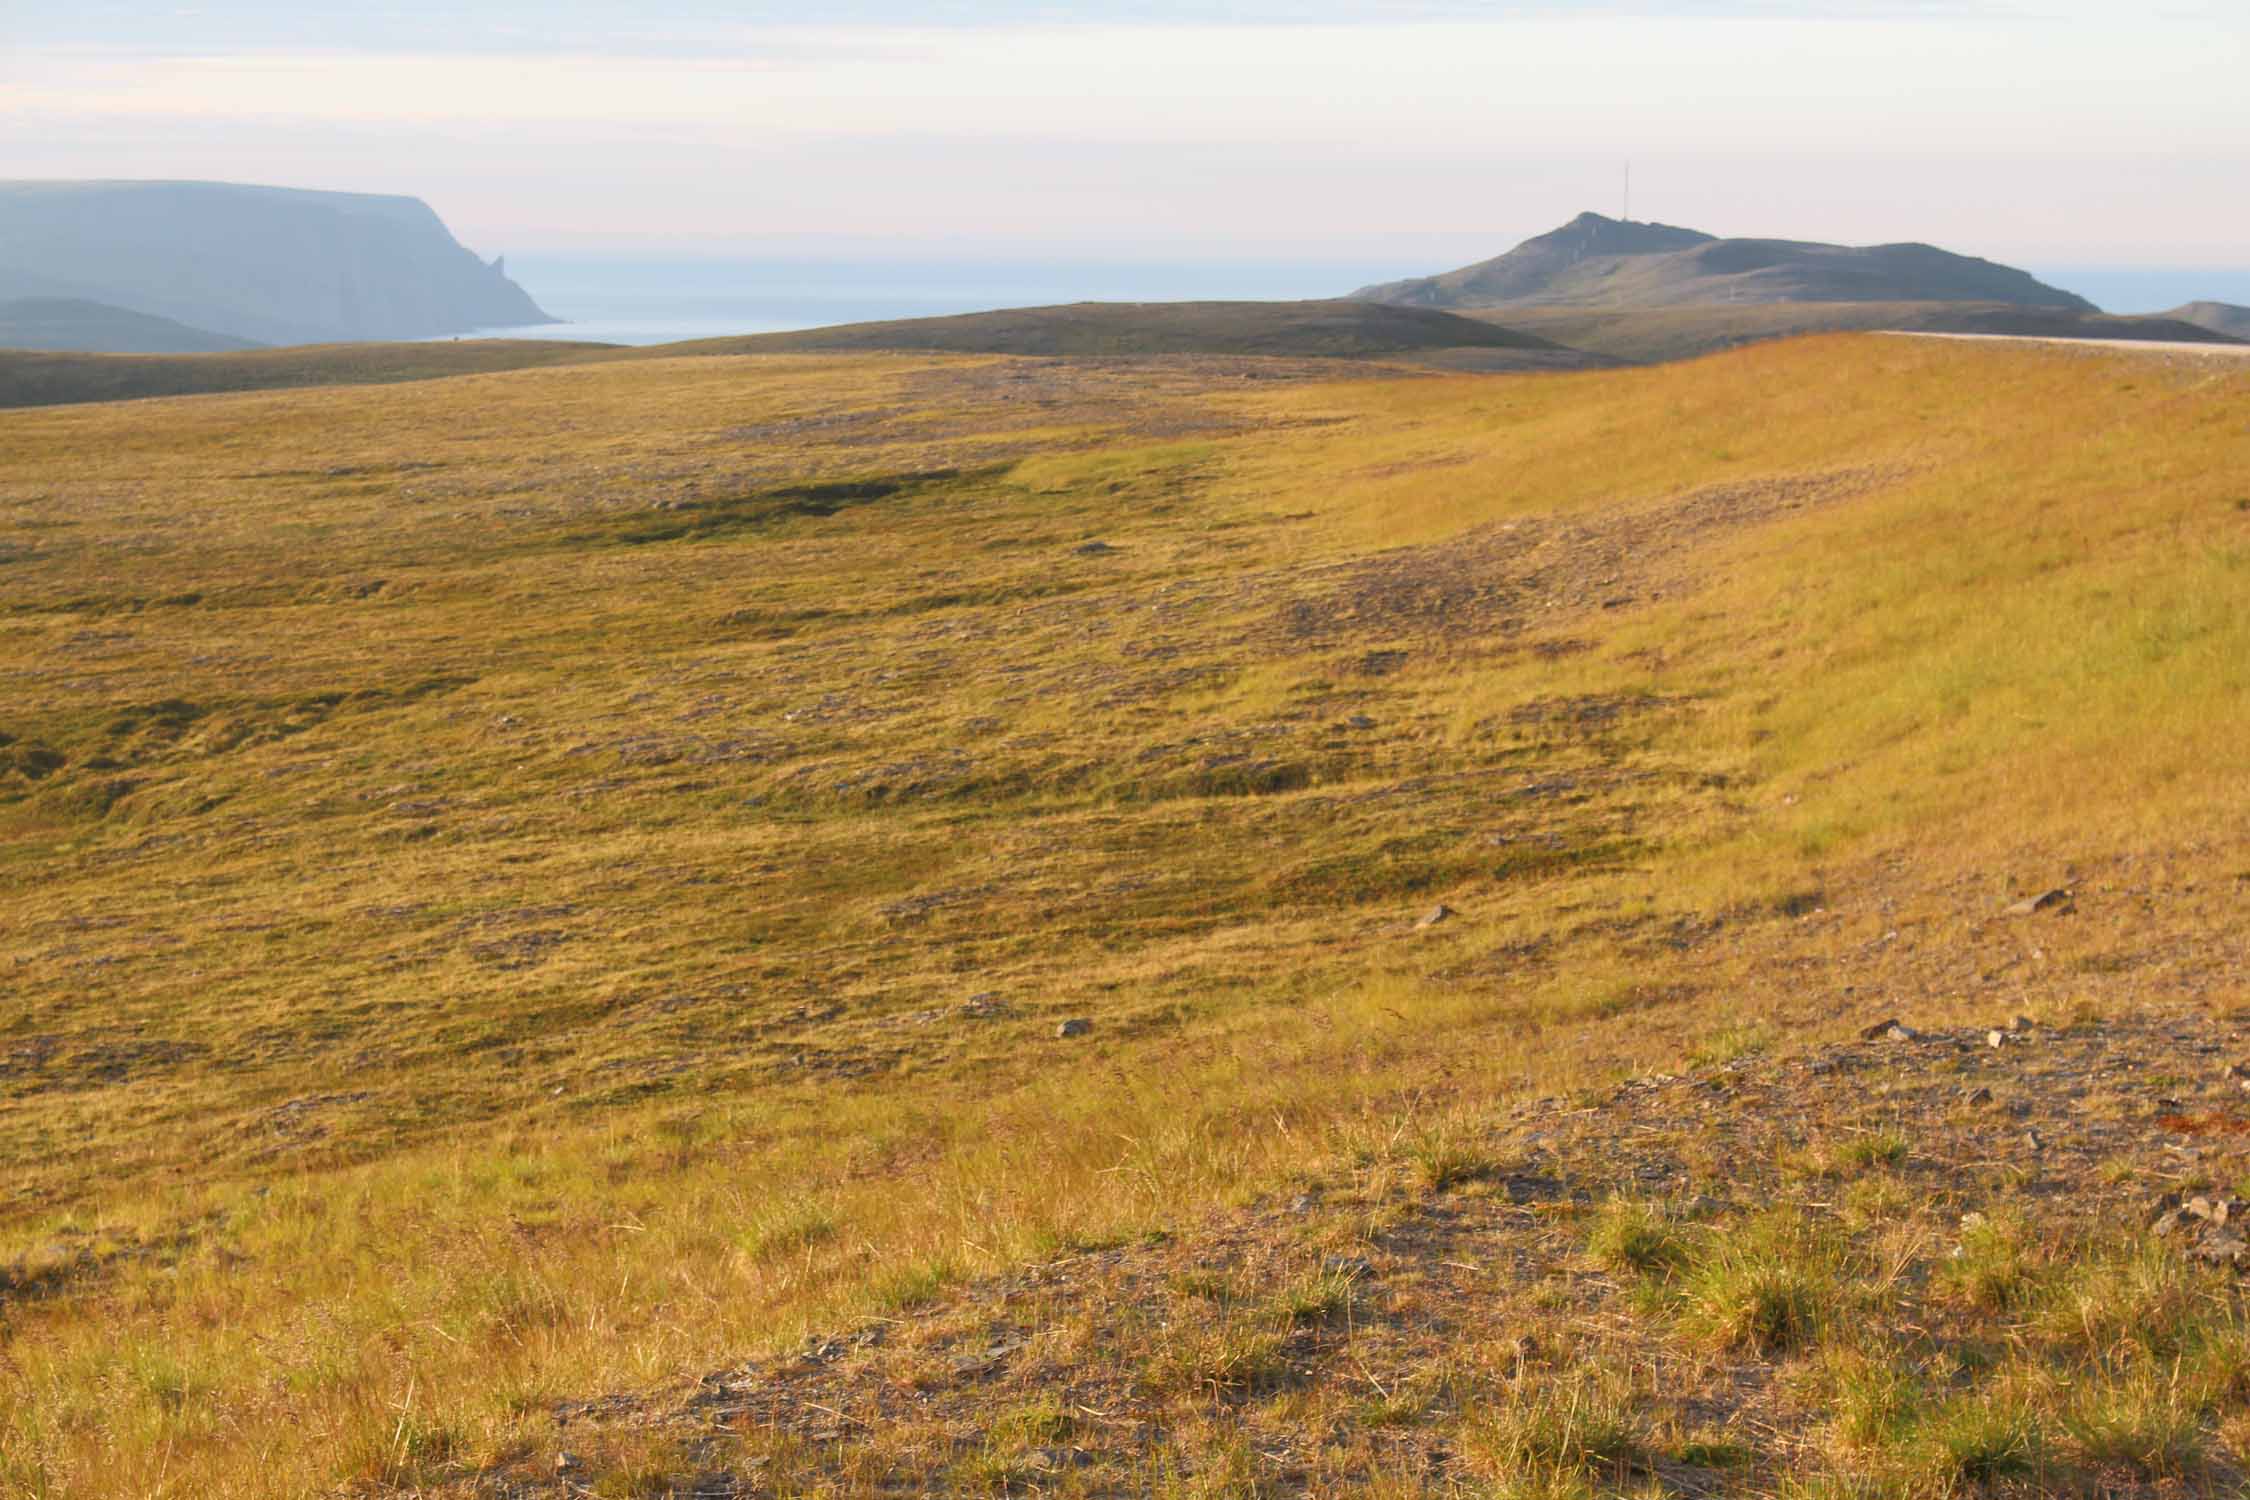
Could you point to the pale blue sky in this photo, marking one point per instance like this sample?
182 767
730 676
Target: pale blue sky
2047 131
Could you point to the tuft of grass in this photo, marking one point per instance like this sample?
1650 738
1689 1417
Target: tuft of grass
1222 1360
1732 1043
916 1284
1041 1423
1876 1148
1970 1442
2145 1421
1446 1160
1637 1237
1876 1403
1401 1408
1770 1288
1716 1453
2132 1304
1560 1433
790 1229
1313 1298
1210 1285
1997 1267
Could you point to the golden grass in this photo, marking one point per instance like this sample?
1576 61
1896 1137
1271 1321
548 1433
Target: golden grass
529 885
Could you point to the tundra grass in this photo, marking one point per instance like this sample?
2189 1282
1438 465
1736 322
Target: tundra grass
530 885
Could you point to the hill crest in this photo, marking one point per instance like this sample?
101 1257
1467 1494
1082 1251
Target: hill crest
1595 261
2219 317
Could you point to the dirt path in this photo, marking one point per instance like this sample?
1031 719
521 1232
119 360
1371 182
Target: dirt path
2136 346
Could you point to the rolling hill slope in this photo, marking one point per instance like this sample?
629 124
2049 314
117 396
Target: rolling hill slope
1332 329
1284 330
1649 335
541 914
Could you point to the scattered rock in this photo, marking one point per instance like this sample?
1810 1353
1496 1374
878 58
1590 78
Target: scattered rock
1436 914
566 1462
2022 1023
1892 1030
2057 901
2032 1142
1349 1267
2223 1249
1359 721
1093 549
1980 1096
1996 1039
1075 1026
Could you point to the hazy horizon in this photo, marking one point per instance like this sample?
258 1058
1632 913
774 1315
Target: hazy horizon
1413 136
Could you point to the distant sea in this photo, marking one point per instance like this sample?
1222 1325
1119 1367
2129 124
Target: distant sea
651 301
2131 290
659 301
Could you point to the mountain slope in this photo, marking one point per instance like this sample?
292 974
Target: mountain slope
1598 262
2219 317
269 265
73 324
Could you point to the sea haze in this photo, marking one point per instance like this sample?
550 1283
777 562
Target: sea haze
657 301
2142 290
652 300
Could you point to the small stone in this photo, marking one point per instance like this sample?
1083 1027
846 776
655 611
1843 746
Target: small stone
1980 1095
2022 1023
1093 549
1348 1267
2199 1206
2055 901
1972 1220
1359 721
1436 914
2032 1142
1892 1030
2225 1248
1075 1026
1996 1039
565 1462
2159 1213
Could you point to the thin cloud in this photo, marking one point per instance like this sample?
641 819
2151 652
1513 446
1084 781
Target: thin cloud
422 27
